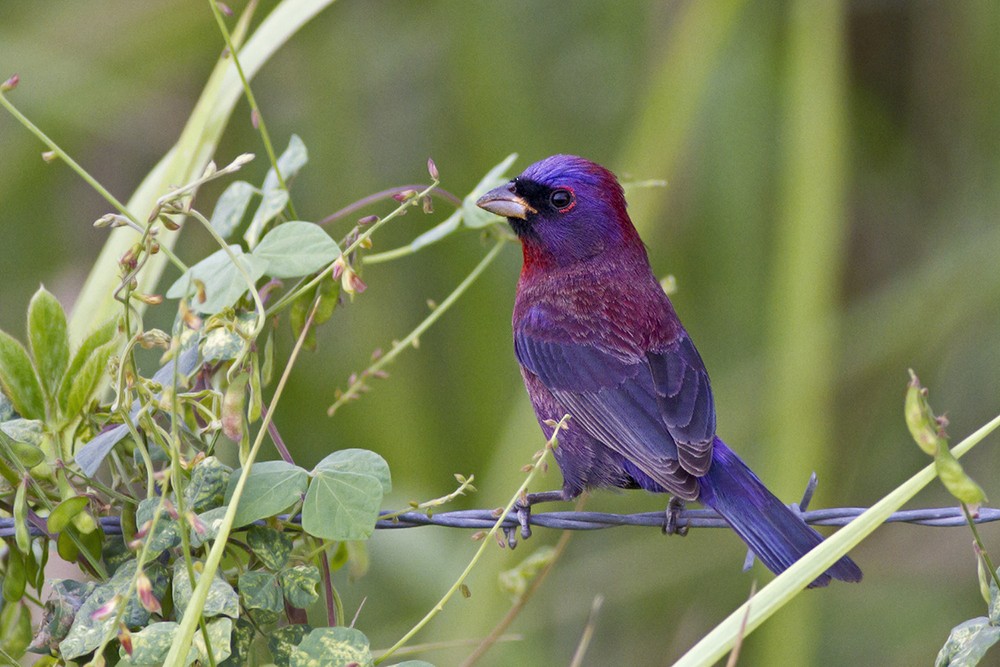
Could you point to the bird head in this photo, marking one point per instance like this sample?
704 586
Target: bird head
564 209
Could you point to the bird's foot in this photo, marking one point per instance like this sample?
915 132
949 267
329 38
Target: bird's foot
672 522
523 510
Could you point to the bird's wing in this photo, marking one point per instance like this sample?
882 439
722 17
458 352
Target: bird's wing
656 409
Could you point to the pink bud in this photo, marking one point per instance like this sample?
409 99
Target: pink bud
197 524
255 119
224 8
125 639
10 84
432 169
105 610
144 587
357 284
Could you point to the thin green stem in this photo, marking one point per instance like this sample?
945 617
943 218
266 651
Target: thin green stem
522 601
254 294
353 390
982 547
487 540
252 101
54 147
189 622
299 290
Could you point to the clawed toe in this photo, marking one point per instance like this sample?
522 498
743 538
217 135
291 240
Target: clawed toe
672 522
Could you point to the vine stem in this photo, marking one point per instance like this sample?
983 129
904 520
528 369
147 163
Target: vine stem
398 347
512 613
188 624
254 109
486 542
982 547
297 291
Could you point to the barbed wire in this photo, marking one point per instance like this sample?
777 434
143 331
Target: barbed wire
477 519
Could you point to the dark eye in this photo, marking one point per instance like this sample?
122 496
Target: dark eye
561 199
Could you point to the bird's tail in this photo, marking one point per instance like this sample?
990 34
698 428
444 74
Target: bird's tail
777 535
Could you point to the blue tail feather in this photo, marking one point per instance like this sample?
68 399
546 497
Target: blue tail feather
776 534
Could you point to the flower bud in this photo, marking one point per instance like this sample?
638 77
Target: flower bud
368 219
10 84
106 609
433 170
144 587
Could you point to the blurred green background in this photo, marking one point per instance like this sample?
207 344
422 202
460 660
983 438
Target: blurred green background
830 217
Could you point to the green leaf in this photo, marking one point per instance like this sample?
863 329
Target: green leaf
296 248
275 198
86 383
15 579
271 204
66 598
332 646
220 631
151 644
166 534
95 340
212 520
18 379
239 644
413 663
222 599
328 292
968 643
271 486
261 589
7 411
283 641
227 342
341 505
22 437
231 207
299 584
15 628
270 546
223 281
515 581
208 484
65 511
89 629
290 162
362 461
49 339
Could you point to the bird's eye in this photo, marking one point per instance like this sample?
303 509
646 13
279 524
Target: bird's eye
561 199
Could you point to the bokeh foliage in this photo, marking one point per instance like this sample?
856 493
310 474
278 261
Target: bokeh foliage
885 149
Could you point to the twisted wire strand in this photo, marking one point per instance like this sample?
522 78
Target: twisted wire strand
691 518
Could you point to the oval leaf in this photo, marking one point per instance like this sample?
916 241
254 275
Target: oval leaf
333 646
271 486
296 248
48 338
98 338
224 283
363 461
18 379
231 208
341 505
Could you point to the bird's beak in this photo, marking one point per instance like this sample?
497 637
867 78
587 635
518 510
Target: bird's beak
503 202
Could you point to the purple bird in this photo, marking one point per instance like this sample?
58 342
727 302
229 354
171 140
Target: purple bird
598 338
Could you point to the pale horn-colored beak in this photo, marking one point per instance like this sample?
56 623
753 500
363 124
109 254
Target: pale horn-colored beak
503 202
